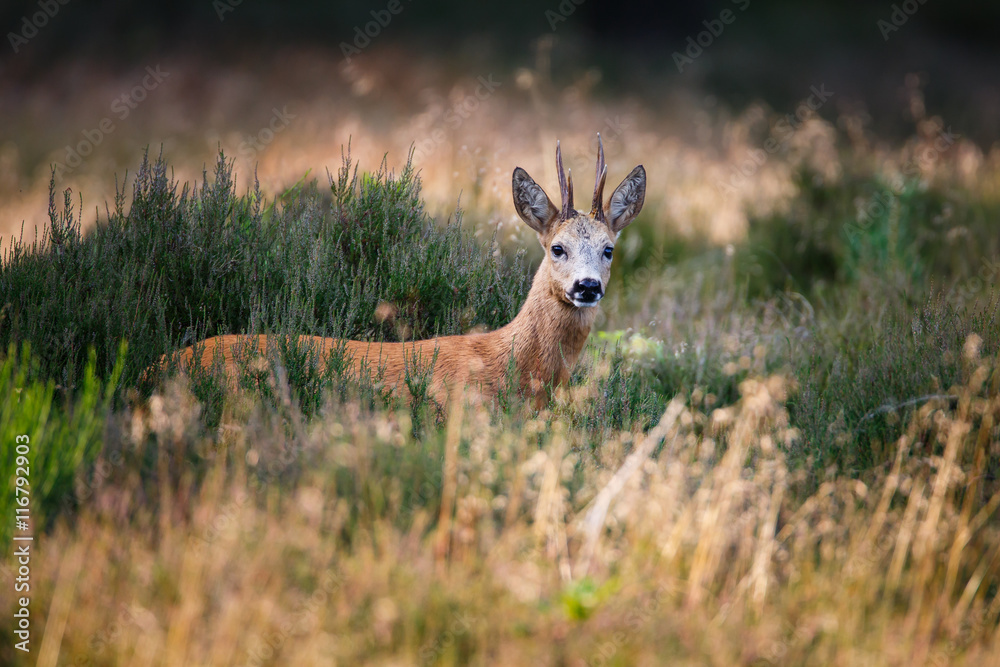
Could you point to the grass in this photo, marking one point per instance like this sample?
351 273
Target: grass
52 438
823 489
349 540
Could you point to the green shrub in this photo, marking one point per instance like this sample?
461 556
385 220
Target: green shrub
63 436
860 231
854 399
182 263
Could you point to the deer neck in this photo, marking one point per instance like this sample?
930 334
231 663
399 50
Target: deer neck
548 334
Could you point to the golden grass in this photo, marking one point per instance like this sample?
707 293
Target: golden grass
704 554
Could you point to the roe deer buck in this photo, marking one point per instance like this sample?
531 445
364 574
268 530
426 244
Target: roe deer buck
547 335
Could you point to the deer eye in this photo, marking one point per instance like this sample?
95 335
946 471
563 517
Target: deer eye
608 252
557 251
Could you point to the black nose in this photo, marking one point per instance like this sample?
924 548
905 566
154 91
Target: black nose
587 290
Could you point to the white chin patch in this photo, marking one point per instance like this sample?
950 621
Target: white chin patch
585 304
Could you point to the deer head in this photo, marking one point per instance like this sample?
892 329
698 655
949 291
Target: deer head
579 246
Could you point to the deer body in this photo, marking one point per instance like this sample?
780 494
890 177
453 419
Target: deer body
546 337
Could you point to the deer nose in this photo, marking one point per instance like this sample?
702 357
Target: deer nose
587 290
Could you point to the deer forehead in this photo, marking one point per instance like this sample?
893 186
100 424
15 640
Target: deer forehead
582 231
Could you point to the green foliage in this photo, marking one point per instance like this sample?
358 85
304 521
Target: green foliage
894 280
628 391
581 598
862 294
861 231
336 262
182 263
853 398
63 436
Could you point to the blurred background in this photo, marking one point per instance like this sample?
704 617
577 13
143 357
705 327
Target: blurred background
692 90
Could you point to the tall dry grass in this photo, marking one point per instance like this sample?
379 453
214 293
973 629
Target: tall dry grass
345 541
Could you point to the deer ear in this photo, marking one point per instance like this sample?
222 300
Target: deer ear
627 200
531 202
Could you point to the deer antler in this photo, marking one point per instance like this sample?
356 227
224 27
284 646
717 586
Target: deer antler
565 186
597 208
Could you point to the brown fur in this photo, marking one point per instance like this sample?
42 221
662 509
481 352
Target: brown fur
545 338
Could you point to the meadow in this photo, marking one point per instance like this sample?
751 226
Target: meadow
781 446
